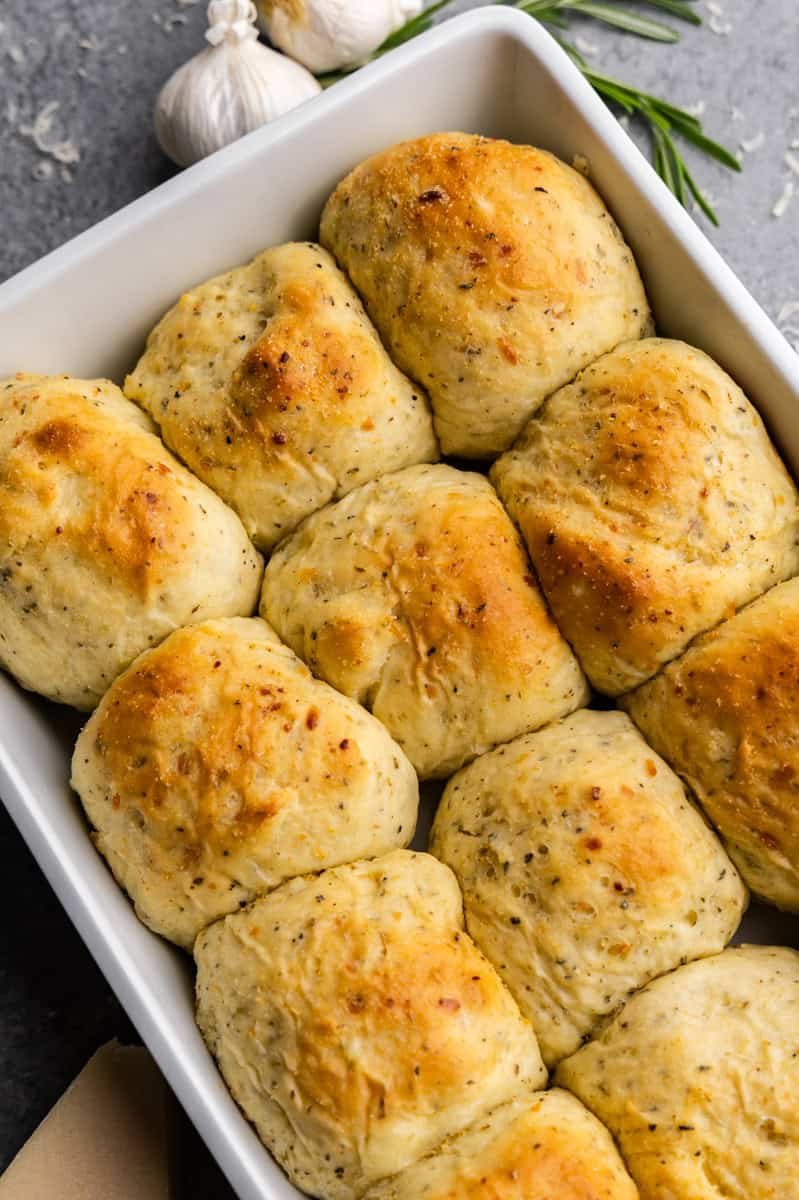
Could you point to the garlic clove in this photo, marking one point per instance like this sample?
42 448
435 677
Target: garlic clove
227 90
328 35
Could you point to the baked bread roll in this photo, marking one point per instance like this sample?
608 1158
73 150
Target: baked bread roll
653 505
414 596
541 1147
107 543
271 384
217 767
364 1027
585 871
697 1079
494 272
726 716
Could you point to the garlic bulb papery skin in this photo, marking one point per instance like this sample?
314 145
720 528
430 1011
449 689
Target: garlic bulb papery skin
328 35
231 88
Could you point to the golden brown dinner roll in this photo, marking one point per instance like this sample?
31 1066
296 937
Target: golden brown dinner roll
363 1027
697 1079
494 272
107 543
217 767
272 385
653 504
544 1146
726 716
414 596
585 871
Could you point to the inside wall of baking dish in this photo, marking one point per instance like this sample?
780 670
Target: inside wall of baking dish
87 309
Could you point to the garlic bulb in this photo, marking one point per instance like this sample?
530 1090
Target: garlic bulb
234 86
326 35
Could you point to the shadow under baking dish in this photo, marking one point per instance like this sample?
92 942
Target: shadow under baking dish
87 308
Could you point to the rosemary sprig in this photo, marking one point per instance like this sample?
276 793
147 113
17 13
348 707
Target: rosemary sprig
664 121
608 13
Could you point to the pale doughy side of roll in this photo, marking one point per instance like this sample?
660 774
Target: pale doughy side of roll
364 1027
493 271
726 716
653 505
414 596
272 385
541 1147
217 767
107 543
697 1079
585 869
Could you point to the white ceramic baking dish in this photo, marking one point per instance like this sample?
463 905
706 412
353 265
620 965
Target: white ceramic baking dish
86 309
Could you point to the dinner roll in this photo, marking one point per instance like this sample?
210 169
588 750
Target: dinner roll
585 871
726 716
653 504
271 384
544 1146
364 1027
107 543
414 596
697 1079
217 767
494 272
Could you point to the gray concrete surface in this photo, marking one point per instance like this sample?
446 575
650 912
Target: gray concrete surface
103 61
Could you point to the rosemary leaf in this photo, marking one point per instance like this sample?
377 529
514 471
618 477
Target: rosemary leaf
626 19
679 177
553 19
677 8
708 146
596 79
699 196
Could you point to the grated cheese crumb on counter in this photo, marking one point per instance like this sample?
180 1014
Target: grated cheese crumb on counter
792 161
586 47
789 309
717 24
781 206
39 132
749 145
174 19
